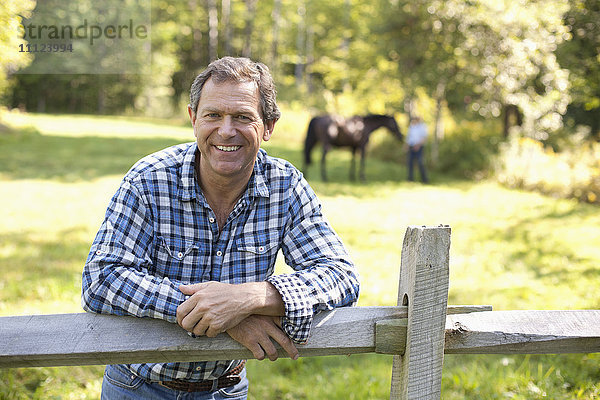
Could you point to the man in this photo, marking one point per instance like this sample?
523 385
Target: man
192 234
415 141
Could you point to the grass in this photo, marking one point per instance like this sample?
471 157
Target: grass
511 249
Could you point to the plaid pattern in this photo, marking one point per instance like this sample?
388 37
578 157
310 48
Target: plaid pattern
159 232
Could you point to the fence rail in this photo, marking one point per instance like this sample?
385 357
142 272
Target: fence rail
418 331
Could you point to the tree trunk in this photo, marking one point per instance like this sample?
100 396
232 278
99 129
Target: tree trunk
512 117
250 14
225 19
213 30
275 43
438 130
196 36
310 56
101 100
300 48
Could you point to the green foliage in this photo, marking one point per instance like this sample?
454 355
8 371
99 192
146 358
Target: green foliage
511 249
484 53
572 173
102 94
468 151
581 56
350 57
11 15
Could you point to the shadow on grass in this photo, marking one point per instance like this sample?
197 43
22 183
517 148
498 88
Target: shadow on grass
549 258
26 154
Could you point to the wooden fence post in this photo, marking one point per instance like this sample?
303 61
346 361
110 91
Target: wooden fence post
423 287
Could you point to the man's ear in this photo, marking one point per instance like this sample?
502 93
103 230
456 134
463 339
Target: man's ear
269 127
192 115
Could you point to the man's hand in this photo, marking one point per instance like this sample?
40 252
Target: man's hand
256 331
214 307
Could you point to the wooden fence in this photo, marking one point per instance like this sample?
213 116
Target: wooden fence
418 331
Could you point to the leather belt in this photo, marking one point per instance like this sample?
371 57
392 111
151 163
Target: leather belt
232 378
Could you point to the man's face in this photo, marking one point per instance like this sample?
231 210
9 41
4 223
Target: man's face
229 129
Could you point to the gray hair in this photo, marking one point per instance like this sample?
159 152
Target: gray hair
239 69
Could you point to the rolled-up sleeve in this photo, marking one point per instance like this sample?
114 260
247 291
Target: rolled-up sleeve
324 277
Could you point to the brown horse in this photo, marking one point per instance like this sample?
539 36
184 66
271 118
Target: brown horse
354 132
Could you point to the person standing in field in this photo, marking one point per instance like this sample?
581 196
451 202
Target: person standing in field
192 234
415 142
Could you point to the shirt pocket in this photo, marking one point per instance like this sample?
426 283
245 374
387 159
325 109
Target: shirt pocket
180 259
255 256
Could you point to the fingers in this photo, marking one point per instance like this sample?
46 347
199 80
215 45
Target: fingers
257 351
212 331
183 310
201 323
269 348
246 334
257 334
190 289
284 340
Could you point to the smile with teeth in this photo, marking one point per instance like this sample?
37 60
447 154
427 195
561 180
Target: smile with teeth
228 148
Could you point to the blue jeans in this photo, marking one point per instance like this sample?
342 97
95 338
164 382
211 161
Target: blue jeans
416 155
120 384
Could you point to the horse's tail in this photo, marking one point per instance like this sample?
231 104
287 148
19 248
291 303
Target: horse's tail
310 141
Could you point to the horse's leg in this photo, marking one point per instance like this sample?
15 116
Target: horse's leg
363 151
353 165
323 172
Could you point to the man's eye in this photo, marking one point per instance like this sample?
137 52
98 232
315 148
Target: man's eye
212 115
243 118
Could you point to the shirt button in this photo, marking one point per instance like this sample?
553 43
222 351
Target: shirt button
180 255
219 253
198 368
261 248
98 252
211 220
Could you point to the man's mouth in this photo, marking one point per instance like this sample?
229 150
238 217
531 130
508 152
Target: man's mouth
228 148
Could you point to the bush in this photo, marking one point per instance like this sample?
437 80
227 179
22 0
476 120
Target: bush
469 151
466 151
572 173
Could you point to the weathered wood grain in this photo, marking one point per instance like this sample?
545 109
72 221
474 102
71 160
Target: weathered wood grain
524 332
82 339
85 339
390 336
423 287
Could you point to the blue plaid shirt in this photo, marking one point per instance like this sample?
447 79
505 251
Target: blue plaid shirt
159 232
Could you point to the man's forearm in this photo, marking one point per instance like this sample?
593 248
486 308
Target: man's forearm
264 299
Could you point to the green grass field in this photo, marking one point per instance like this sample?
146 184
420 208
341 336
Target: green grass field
510 249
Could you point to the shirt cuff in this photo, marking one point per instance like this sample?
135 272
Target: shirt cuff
168 299
298 310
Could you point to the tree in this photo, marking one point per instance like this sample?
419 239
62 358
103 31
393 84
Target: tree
213 30
11 59
581 56
491 55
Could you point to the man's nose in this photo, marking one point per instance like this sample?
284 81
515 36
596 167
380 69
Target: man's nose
227 129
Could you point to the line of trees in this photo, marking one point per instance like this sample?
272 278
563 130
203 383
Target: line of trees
533 62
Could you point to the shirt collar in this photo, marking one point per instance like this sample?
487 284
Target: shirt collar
189 189
257 187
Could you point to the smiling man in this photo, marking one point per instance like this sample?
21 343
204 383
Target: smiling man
192 234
